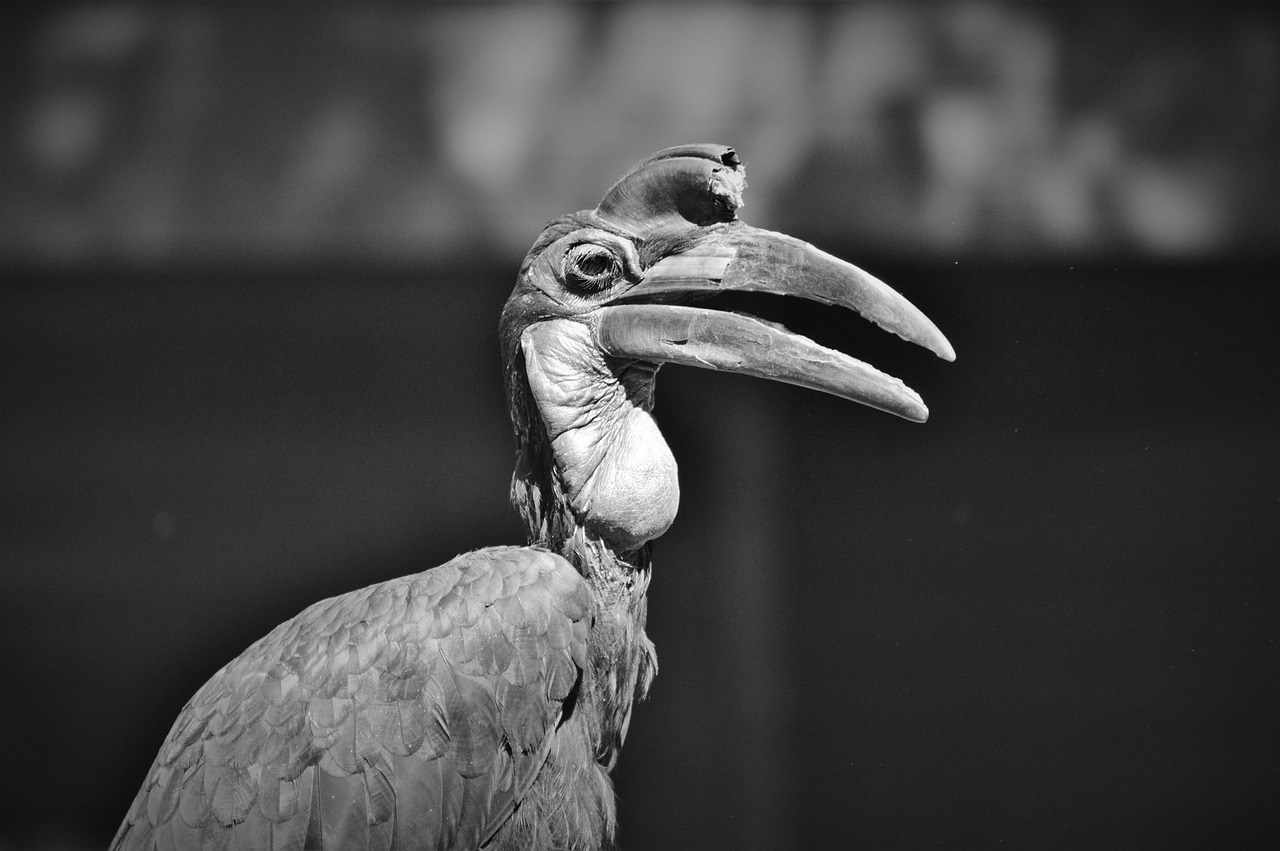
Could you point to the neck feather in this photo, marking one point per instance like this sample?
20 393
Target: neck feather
622 661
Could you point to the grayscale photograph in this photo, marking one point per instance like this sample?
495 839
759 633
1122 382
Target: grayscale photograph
640 425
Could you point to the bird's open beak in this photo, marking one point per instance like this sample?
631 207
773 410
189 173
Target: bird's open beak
737 257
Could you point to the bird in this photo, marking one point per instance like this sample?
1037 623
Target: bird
483 703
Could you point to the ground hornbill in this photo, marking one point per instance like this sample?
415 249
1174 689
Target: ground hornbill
482 703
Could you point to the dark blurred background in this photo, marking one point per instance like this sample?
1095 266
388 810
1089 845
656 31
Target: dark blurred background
253 257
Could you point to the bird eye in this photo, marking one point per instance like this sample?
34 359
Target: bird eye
591 267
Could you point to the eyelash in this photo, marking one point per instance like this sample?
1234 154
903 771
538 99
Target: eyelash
591 268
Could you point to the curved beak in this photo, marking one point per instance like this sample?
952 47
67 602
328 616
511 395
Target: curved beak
737 257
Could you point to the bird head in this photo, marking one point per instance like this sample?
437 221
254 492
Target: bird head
606 296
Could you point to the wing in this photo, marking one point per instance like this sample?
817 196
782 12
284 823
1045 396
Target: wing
410 714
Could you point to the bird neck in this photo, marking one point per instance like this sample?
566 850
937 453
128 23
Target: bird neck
540 496
621 659
613 469
590 456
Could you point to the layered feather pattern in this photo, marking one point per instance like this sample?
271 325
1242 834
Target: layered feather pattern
415 713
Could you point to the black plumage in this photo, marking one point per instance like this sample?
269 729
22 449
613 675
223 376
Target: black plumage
437 689
483 703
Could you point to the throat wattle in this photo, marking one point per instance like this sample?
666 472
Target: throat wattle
616 474
631 492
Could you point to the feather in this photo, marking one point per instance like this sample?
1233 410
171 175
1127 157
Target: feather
467 607
224 723
253 832
488 585
271 802
559 631
579 646
214 837
537 608
381 792
193 807
289 830
513 577
216 751
527 664
428 801
340 757
425 593
382 836
280 684
302 753
471 719
461 646
567 588
499 651
288 717
511 610
503 773
478 803
366 746
409 684
164 835
274 747
337 660
291 834
287 801
524 715
399 727
329 713
162 800
184 834
483 662
338 815
364 648
440 622
325 615
177 754
142 834
562 675
435 725
235 793
249 745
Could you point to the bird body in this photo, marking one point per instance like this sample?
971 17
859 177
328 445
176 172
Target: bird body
483 703
465 689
